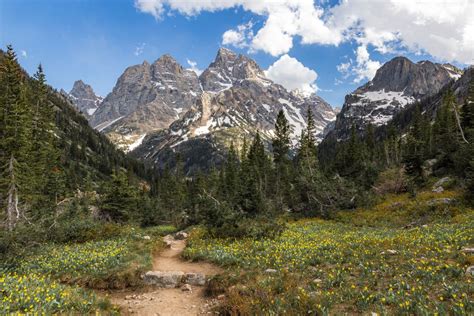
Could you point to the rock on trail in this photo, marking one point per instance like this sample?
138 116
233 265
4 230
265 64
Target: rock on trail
175 285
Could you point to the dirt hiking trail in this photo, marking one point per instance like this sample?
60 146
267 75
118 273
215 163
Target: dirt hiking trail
154 301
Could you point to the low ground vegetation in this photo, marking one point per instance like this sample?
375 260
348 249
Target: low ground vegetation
59 278
357 263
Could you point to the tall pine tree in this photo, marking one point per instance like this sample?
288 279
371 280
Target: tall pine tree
15 139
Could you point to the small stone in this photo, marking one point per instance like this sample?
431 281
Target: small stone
271 271
441 182
186 288
181 235
441 201
467 250
317 281
195 279
146 237
221 297
128 297
470 271
438 190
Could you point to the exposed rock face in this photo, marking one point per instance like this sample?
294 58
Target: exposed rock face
237 102
165 109
229 68
396 84
84 98
146 98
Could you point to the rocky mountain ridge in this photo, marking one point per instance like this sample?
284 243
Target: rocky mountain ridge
84 98
396 84
233 91
237 101
146 98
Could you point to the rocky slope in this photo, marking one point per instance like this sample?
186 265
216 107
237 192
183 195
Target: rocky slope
146 98
84 98
396 84
237 101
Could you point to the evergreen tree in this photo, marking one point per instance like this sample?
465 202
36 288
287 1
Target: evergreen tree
14 141
370 141
281 140
281 151
414 150
230 183
120 198
50 182
254 175
446 133
311 129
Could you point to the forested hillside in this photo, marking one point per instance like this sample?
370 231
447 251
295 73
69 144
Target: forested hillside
48 154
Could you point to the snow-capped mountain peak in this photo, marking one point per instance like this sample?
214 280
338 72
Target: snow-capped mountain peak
84 98
396 84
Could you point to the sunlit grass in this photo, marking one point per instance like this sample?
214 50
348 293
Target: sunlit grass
337 267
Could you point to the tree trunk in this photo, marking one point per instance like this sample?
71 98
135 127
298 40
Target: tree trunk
13 213
458 121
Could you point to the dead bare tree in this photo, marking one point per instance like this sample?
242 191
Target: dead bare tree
458 121
13 212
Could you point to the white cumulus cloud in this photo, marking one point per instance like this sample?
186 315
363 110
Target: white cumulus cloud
441 28
238 37
363 67
193 66
292 74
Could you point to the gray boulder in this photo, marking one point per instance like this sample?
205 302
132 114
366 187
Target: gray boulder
181 235
169 279
194 279
470 271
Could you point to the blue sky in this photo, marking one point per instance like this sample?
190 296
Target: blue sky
96 40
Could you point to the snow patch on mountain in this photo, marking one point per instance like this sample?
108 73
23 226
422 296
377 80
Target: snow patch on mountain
104 125
136 143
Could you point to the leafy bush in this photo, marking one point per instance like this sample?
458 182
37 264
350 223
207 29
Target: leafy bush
82 230
392 181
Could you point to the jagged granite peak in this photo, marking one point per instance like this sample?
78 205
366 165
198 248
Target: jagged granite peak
396 84
229 68
146 97
159 108
414 79
84 98
249 104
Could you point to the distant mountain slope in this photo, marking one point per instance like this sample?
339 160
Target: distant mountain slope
149 98
237 101
86 153
400 122
396 84
146 98
84 98
431 104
